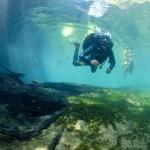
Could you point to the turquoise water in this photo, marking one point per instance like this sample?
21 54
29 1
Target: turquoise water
33 40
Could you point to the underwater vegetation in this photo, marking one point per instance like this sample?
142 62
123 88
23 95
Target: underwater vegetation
85 117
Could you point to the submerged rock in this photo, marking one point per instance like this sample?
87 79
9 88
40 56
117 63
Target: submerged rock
26 109
80 125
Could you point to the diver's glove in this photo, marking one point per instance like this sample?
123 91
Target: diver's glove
108 70
94 62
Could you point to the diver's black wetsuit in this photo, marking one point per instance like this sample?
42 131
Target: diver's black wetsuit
93 50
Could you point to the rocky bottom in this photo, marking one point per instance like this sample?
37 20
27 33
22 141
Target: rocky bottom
93 118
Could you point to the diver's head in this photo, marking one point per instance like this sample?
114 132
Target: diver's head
104 42
103 38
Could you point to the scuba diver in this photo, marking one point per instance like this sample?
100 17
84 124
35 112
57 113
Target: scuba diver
97 47
128 64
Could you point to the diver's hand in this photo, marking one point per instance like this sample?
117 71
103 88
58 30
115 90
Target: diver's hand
94 62
108 70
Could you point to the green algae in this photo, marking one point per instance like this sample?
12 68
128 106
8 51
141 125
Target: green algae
97 110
